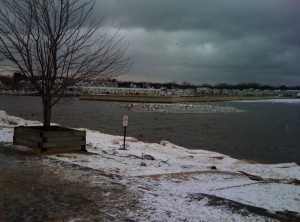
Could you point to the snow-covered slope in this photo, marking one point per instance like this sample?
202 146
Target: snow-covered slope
169 178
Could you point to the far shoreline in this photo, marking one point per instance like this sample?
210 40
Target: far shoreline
173 99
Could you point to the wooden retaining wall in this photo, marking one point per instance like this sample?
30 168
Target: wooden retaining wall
57 139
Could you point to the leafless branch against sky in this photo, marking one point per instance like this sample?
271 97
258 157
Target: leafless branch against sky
56 43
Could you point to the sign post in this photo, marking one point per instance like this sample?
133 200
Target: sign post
125 124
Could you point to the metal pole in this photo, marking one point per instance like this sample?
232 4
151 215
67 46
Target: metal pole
124 137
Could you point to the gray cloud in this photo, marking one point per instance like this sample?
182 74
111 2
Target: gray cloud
209 41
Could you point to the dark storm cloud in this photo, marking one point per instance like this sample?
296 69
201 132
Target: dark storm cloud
210 40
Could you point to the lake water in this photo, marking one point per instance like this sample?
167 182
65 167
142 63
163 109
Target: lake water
266 132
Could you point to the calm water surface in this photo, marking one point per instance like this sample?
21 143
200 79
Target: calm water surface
266 132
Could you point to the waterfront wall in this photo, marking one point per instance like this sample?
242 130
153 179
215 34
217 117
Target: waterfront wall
167 99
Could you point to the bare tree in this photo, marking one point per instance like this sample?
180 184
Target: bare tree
56 44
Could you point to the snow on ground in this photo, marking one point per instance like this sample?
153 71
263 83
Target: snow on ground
170 197
166 176
271 101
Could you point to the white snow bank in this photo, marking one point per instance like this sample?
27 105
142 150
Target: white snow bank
6 134
12 121
169 158
270 101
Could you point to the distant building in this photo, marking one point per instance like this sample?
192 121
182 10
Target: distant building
3 87
86 90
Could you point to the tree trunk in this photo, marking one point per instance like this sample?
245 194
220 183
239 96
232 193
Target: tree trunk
47 112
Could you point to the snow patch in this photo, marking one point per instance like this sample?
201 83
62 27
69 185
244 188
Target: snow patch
270 101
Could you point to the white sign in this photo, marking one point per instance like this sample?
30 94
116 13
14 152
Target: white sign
125 120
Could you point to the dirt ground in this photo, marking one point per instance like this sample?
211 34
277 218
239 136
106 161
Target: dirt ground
34 188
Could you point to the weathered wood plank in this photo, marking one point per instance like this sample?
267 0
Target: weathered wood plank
28 136
54 132
63 133
25 142
63 144
27 131
65 138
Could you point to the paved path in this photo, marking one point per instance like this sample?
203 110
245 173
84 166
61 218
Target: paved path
34 188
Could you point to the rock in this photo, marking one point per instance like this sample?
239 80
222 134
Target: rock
115 141
213 167
2 115
143 164
164 142
131 139
147 157
252 177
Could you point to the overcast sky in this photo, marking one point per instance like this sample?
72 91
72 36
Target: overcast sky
209 41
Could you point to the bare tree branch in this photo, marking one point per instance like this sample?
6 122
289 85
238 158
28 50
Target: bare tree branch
50 40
